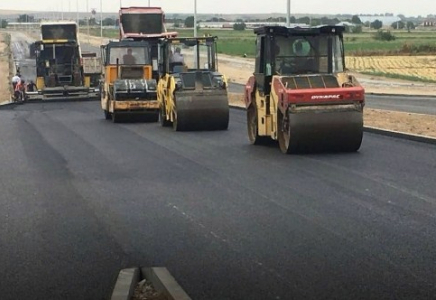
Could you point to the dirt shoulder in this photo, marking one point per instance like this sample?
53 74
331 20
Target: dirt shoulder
240 72
5 93
390 120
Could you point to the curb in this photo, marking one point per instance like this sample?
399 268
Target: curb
366 93
397 134
125 285
401 95
160 278
389 133
163 281
9 105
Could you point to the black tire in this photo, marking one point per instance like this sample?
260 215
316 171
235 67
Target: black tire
115 117
162 117
107 115
252 128
176 126
153 118
226 123
283 134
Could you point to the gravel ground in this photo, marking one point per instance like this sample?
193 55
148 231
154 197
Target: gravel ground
145 291
4 69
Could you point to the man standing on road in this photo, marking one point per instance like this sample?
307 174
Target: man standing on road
19 91
16 79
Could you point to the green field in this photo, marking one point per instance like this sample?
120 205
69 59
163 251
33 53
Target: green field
239 43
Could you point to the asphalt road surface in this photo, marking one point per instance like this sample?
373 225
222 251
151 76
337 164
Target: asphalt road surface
82 197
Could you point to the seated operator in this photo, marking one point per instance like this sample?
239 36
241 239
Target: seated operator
299 51
129 59
178 56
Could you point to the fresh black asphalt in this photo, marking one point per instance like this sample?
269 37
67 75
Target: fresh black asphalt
82 198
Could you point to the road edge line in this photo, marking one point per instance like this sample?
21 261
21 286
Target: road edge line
401 135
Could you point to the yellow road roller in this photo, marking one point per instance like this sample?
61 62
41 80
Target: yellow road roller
129 89
192 94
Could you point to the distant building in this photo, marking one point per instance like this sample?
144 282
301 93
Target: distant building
431 22
386 20
19 25
249 25
346 24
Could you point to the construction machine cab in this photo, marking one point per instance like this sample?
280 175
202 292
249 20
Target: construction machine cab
59 64
188 58
294 51
126 62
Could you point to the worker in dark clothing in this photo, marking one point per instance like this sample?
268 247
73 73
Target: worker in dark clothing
31 87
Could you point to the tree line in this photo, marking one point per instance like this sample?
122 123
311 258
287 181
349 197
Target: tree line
241 24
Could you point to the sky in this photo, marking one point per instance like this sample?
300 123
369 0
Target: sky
408 8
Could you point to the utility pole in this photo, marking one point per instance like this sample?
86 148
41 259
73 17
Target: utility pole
195 18
288 14
87 12
101 21
148 3
77 8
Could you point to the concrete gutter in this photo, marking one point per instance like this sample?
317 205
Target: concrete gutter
401 95
401 135
13 104
125 285
242 85
8 105
390 133
160 278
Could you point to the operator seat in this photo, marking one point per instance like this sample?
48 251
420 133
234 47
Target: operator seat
177 67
